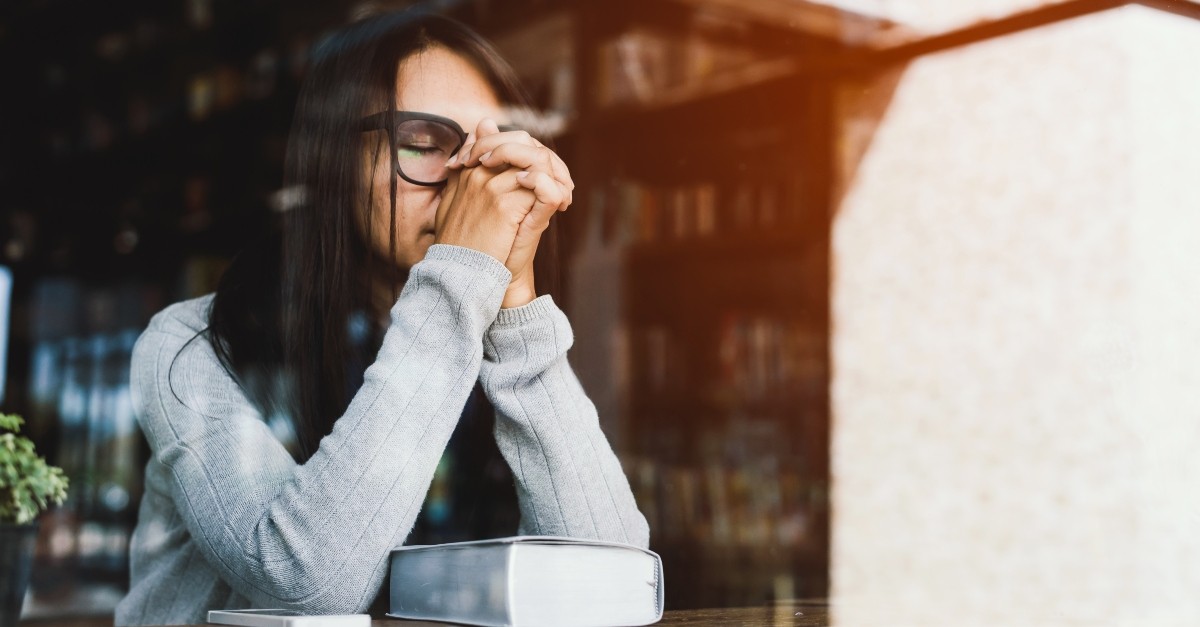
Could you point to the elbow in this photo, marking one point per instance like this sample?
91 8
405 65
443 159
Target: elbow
313 591
311 581
342 601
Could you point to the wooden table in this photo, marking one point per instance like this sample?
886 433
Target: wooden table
790 614
813 613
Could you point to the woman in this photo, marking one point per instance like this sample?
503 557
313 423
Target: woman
285 467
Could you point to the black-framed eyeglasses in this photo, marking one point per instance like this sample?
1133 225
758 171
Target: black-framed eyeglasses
423 141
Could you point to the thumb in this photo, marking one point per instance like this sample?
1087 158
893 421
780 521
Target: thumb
486 126
447 198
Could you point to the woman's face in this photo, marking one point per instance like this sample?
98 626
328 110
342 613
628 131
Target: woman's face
435 81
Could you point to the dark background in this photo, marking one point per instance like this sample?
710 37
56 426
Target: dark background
143 145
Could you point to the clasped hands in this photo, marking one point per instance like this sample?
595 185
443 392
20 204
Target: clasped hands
502 190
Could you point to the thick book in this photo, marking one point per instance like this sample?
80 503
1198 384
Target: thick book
528 581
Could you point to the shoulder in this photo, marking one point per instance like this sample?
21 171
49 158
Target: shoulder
176 338
175 368
183 319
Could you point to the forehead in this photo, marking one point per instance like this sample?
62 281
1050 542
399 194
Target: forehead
441 82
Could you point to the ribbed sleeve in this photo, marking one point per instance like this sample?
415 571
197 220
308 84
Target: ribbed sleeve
569 482
315 536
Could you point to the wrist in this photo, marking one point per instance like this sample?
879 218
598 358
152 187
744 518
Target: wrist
518 295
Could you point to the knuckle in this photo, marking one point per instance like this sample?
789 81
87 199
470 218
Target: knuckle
494 185
477 176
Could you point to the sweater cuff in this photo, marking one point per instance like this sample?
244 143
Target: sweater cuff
533 310
472 258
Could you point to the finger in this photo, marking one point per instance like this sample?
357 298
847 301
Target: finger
552 162
548 197
455 160
561 172
563 175
464 158
563 192
514 199
489 143
532 159
520 156
485 127
469 154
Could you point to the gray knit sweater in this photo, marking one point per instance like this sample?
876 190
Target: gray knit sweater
230 520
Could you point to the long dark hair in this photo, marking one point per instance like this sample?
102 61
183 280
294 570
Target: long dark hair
281 315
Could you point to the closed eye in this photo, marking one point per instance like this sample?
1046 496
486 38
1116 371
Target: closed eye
415 150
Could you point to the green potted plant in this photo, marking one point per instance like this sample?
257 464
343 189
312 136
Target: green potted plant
28 485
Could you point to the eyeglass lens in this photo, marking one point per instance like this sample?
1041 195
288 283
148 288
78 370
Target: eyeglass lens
422 148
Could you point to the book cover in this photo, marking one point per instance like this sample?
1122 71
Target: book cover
528 581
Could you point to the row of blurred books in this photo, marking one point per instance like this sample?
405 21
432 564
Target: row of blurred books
640 212
759 358
749 491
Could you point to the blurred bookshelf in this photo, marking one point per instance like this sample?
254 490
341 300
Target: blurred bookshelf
150 149
145 151
705 150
